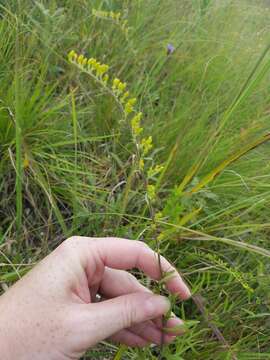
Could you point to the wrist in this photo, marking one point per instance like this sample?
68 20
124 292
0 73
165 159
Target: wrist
11 336
5 338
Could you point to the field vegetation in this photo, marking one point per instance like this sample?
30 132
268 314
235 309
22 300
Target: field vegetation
181 161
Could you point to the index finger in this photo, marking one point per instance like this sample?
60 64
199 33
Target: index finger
124 254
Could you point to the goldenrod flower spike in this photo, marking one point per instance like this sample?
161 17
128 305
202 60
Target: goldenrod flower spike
143 145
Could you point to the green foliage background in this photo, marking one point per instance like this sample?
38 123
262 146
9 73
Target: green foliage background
207 108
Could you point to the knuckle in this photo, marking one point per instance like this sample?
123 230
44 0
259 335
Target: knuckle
67 245
129 313
143 245
130 277
132 281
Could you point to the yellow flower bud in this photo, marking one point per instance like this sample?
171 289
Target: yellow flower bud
26 162
96 65
126 95
136 124
146 145
105 78
154 170
129 105
72 55
151 192
133 102
141 164
103 69
116 83
80 59
91 62
158 216
122 86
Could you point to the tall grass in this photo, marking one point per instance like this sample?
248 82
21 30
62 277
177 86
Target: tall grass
66 161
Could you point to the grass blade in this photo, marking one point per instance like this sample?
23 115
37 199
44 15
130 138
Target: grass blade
18 134
215 172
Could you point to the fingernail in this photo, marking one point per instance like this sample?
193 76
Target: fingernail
169 339
157 305
174 321
187 292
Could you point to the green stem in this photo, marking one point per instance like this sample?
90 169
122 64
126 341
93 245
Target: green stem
75 135
18 134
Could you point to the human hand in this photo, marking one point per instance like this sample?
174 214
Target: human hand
52 313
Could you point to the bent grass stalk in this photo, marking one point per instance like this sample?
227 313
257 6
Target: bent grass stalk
258 72
234 157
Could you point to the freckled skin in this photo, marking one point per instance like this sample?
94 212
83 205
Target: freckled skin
49 314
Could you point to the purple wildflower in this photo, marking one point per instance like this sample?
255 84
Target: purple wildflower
170 49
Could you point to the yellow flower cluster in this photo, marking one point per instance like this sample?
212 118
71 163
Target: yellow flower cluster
113 16
129 107
119 86
107 14
154 170
158 216
146 145
141 164
119 90
151 192
151 188
136 124
233 272
91 65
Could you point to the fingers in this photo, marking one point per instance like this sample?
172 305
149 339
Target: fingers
173 327
144 334
126 254
118 282
128 338
151 333
176 326
106 318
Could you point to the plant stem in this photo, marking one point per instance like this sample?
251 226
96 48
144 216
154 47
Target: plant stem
18 131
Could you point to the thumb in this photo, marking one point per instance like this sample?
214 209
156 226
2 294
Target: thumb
111 316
